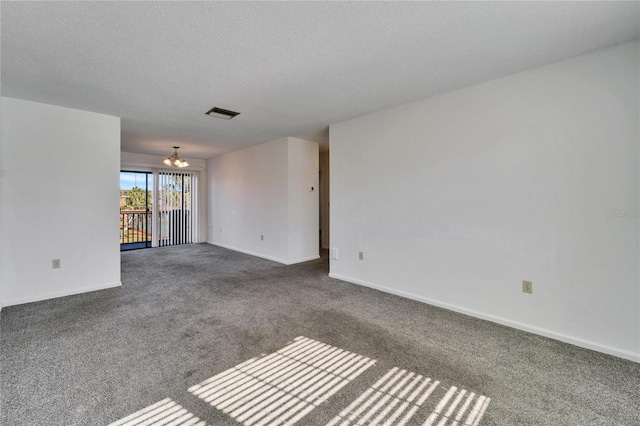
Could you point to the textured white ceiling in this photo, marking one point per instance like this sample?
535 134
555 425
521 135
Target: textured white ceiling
291 69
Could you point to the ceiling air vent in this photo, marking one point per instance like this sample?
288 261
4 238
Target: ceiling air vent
222 113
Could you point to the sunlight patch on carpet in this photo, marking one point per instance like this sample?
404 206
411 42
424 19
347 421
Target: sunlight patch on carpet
458 407
401 396
163 413
285 386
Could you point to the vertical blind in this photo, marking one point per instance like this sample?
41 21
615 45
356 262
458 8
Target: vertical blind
176 198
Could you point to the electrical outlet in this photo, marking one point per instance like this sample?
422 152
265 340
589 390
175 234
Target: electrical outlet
360 255
261 237
527 287
334 254
55 264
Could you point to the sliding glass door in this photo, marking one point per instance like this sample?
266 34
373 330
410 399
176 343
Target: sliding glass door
176 207
136 201
158 208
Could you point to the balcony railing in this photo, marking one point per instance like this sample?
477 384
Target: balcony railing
135 226
174 227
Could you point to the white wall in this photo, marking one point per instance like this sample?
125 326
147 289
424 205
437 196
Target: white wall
131 161
1 185
248 198
326 191
254 191
456 199
59 201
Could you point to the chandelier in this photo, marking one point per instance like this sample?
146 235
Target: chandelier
174 160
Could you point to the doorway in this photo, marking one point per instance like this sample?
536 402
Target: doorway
320 207
136 210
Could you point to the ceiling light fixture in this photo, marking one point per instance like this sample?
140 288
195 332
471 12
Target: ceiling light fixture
174 160
222 113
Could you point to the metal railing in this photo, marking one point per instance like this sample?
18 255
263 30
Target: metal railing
174 227
135 226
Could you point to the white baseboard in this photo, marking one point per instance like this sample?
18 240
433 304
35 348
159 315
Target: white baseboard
621 353
264 256
59 294
304 259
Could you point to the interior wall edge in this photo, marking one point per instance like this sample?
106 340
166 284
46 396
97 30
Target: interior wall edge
586 344
264 256
132 159
303 259
144 166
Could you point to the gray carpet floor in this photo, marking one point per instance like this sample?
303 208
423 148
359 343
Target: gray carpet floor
188 313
